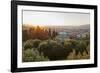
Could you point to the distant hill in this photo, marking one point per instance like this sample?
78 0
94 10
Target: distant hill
71 29
87 26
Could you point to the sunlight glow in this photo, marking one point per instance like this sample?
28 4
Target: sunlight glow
39 18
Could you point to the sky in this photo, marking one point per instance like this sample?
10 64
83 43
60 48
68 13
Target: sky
47 18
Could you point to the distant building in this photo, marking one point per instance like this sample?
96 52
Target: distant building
62 35
79 35
82 35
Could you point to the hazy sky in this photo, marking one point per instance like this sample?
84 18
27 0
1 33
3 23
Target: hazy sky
55 18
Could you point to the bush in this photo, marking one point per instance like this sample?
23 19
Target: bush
36 43
31 43
88 49
31 55
68 46
28 44
79 56
53 49
77 45
87 42
81 47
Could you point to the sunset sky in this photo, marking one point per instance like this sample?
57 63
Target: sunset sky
43 18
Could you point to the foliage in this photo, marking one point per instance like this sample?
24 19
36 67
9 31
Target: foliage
79 56
31 43
38 33
41 44
36 43
53 50
77 45
81 47
31 55
28 44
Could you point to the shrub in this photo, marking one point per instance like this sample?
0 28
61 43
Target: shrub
71 43
31 55
81 47
31 43
53 49
36 43
68 46
77 45
88 49
87 42
79 56
28 44
43 45
58 40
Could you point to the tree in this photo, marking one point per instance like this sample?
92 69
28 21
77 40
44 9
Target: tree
53 50
32 43
81 47
36 43
31 55
49 33
24 35
54 34
68 46
28 44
